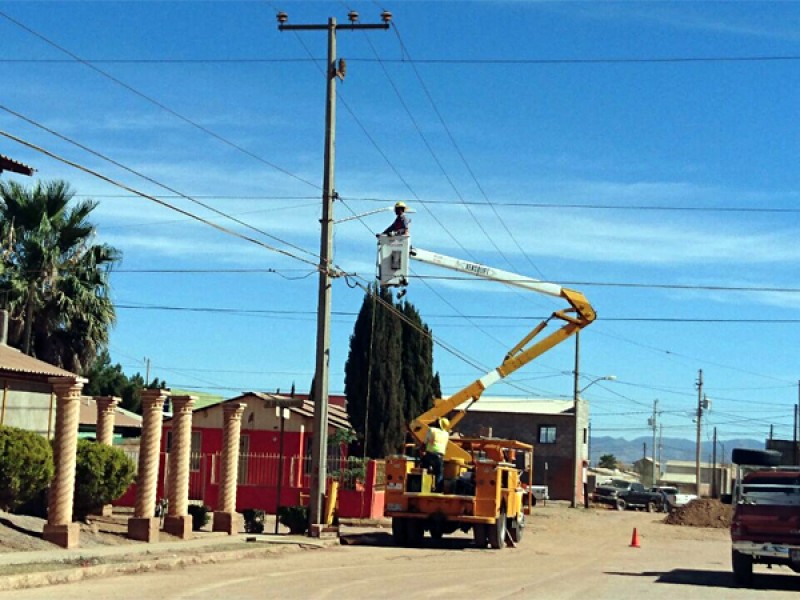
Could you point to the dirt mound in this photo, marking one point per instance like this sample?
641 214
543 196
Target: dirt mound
702 512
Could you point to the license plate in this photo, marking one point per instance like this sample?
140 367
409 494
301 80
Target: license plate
794 555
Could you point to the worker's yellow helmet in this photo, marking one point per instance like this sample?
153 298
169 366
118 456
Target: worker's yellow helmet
444 423
400 205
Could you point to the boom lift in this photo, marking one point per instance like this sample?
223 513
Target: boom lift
482 489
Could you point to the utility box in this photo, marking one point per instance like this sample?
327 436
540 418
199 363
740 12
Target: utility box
393 260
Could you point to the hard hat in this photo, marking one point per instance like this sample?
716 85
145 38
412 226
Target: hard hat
444 423
400 205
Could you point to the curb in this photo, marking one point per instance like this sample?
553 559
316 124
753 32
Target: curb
170 560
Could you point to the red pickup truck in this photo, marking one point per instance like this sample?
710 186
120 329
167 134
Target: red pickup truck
765 528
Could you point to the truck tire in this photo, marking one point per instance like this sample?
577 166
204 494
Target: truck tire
651 506
516 527
742 568
415 530
400 531
480 534
760 458
497 532
621 504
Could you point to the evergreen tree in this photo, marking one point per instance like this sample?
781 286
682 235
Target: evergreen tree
389 372
106 379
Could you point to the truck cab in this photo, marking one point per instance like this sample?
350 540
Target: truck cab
765 528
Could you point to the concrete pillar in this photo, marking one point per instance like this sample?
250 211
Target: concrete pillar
60 529
106 413
144 524
225 517
178 522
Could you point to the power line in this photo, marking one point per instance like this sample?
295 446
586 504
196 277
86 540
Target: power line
89 171
151 180
155 102
420 61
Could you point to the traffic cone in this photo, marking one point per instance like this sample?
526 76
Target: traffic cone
635 539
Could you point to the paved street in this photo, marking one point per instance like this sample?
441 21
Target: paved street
565 554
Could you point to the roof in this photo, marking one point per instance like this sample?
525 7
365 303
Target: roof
9 164
14 361
122 417
527 406
337 415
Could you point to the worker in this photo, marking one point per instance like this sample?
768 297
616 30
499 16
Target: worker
435 446
400 224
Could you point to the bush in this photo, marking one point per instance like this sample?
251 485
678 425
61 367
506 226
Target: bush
201 515
253 520
26 466
295 518
102 474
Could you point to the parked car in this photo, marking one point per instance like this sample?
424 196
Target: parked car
673 498
765 528
622 494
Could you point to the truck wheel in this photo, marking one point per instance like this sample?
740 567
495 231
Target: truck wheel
415 529
480 533
497 532
651 506
400 531
742 568
760 458
516 527
621 504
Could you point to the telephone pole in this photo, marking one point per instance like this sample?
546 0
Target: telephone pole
699 417
654 425
320 438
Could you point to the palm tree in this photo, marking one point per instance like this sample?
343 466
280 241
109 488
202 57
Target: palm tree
54 281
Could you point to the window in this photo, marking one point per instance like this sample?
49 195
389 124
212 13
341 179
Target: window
547 434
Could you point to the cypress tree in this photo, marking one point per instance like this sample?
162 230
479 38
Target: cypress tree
389 372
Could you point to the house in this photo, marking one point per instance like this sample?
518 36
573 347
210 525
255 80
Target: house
28 401
276 437
682 474
127 424
548 425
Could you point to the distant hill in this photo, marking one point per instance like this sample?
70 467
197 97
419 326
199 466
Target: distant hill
629 451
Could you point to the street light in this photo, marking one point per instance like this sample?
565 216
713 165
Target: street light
578 440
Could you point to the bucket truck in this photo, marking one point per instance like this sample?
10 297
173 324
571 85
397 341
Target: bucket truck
482 490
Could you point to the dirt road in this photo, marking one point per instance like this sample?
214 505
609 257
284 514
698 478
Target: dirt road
565 553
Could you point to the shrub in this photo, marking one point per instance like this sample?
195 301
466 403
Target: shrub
253 520
102 474
201 515
295 518
26 466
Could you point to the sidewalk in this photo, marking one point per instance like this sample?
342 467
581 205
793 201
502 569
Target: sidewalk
37 568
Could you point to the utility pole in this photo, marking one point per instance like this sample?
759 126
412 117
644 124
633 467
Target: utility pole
653 424
576 468
699 417
714 490
320 438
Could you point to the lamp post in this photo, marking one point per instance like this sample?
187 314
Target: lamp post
578 451
332 72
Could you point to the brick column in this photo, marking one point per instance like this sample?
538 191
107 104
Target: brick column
106 412
225 517
60 529
144 524
178 522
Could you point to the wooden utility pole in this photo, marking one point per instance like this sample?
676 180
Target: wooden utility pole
699 418
320 437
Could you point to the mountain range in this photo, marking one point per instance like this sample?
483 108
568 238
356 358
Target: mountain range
629 451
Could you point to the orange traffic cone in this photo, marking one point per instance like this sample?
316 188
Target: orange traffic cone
635 539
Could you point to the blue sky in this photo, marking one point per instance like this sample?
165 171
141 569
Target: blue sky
642 153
